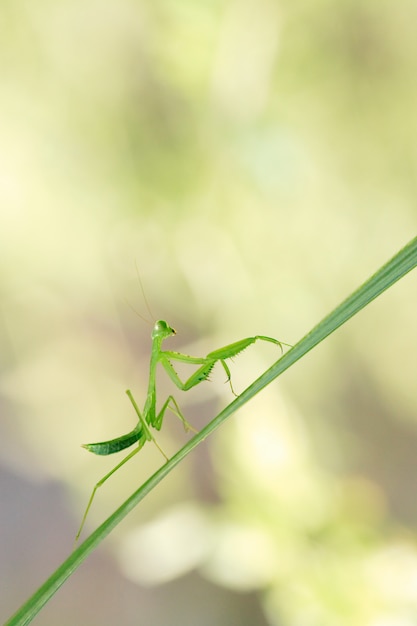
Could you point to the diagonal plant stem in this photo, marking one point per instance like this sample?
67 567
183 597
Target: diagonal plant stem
403 262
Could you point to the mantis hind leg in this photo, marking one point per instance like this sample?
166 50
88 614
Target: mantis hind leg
141 442
102 481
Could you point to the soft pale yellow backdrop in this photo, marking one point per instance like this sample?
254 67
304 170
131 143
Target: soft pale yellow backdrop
257 160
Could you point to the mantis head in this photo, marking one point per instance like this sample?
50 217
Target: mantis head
161 330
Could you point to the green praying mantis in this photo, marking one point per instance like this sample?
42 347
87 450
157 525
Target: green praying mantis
150 417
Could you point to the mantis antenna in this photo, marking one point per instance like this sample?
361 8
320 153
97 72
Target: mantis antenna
152 320
143 293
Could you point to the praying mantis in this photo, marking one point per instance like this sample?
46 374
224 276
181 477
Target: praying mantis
150 417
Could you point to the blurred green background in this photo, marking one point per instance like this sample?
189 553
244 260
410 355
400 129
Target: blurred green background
257 160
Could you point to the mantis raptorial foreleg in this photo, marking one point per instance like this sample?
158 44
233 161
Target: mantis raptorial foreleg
149 417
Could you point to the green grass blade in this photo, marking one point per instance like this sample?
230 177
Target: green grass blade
392 271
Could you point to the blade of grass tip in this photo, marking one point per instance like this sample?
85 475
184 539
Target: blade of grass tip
402 263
